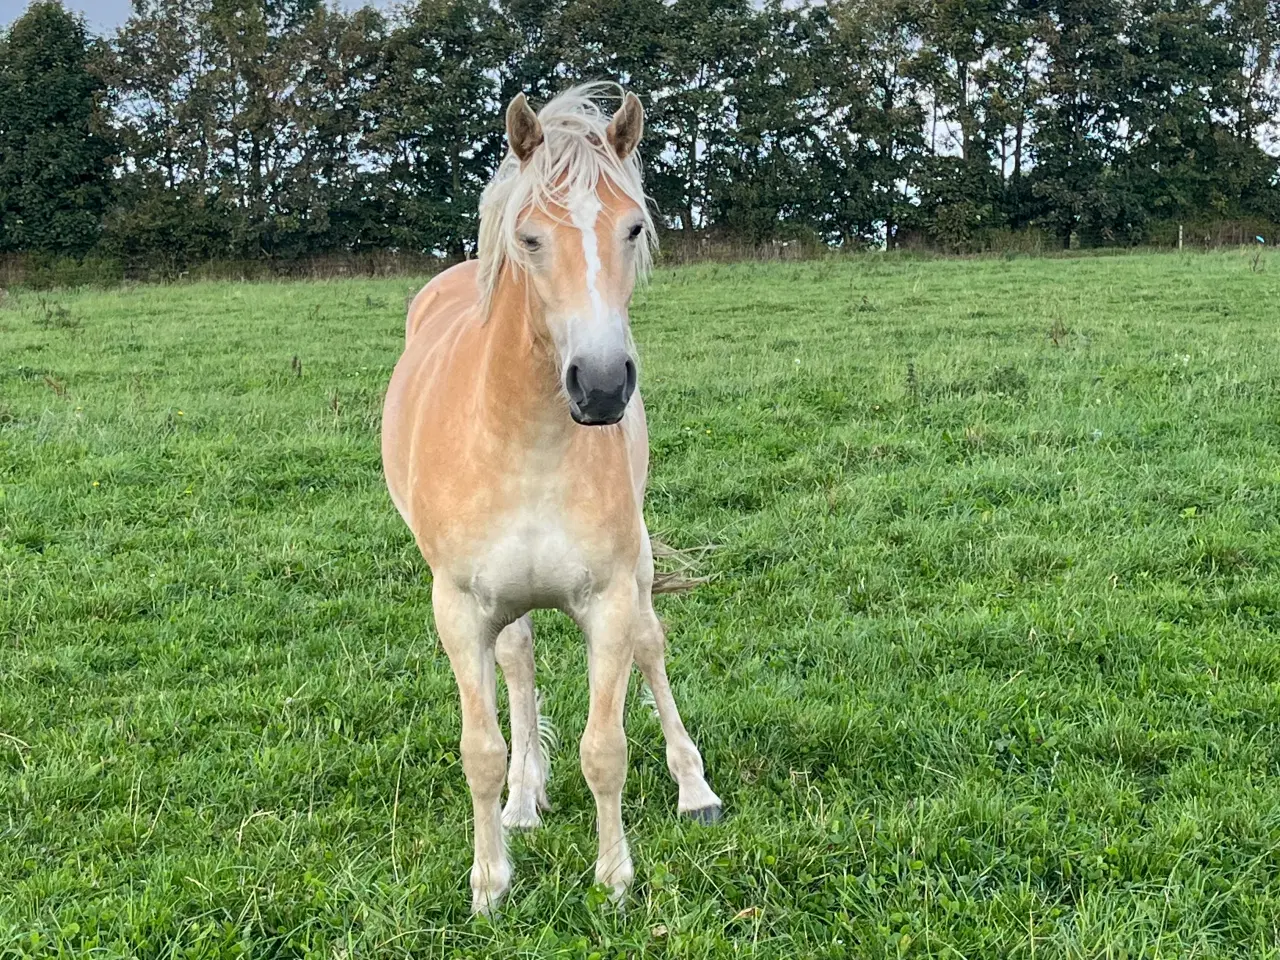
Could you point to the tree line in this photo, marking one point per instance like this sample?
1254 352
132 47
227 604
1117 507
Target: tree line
241 129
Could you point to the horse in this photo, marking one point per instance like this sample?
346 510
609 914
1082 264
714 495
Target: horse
515 447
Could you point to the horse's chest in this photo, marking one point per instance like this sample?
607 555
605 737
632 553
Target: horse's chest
541 526
535 559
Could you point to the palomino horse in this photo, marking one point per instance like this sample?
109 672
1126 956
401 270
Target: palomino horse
515 448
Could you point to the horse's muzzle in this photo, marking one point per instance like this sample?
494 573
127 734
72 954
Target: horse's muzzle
599 391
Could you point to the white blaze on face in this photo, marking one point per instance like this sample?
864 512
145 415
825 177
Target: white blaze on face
584 212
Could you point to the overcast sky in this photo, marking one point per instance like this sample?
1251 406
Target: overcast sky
103 16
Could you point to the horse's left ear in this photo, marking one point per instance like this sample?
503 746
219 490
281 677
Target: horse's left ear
626 127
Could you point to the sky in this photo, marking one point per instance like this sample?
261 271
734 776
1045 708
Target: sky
103 16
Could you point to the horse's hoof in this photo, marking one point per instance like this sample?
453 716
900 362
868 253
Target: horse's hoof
523 826
488 886
521 820
485 900
705 815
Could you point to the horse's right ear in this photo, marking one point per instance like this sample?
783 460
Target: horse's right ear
524 132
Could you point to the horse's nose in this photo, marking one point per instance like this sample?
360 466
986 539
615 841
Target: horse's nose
599 389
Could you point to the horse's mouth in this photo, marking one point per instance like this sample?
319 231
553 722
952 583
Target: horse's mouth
593 419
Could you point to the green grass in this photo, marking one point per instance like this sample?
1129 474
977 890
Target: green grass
990 666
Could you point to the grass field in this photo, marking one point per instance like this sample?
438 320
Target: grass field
989 667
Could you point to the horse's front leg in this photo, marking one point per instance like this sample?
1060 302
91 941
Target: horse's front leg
468 638
610 625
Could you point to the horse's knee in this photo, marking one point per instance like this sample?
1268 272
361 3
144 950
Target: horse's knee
484 761
604 757
651 643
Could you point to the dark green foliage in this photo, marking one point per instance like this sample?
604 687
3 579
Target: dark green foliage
436 141
54 174
281 129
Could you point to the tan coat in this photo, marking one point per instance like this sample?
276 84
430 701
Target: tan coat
514 502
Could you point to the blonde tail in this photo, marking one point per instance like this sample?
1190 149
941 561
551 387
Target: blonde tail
681 578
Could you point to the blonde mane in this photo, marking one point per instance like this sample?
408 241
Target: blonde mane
574 156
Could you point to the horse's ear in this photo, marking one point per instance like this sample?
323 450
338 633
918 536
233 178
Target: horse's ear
524 132
627 126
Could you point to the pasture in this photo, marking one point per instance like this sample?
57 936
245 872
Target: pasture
989 665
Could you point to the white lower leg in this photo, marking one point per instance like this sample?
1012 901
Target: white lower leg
610 638
484 754
604 764
526 783
491 870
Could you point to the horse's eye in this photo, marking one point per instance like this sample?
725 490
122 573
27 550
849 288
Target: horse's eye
635 231
531 243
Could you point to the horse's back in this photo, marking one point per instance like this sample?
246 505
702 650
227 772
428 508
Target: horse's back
436 317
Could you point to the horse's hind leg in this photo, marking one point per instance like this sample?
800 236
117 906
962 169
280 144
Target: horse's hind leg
683 760
527 781
469 641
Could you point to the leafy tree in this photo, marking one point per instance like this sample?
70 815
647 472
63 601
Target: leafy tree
243 120
1015 79
54 161
433 106
1079 120
167 209
280 128
1178 77
708 48
531 53
763 177
1252 30
974 64
877 118
623 41
323 187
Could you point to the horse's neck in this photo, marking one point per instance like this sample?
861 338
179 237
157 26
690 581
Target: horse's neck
521 380
523 409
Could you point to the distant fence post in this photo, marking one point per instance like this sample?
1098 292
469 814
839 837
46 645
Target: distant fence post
1179 236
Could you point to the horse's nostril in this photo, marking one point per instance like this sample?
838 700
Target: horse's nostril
572 383
631 378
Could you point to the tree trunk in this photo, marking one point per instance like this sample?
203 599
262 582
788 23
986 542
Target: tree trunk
455 200
255 186
1019 131
1017 149
693 178
886 104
